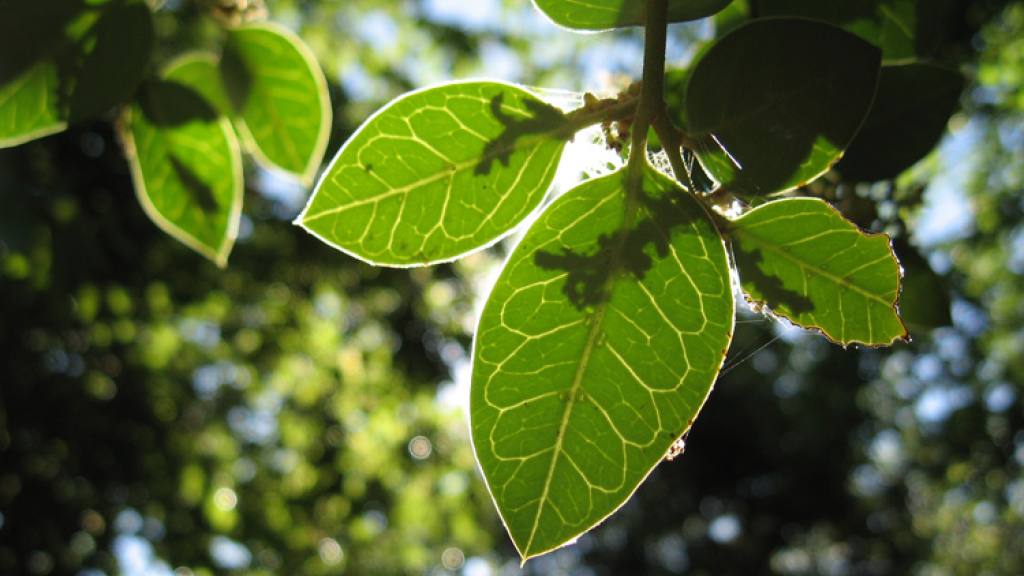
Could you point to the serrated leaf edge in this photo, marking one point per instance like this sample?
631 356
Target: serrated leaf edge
765 307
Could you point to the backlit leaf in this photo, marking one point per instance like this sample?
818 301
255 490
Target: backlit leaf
186 164
909 117
438 173
595 352
29 107
773 104
800 258
279 97
605 14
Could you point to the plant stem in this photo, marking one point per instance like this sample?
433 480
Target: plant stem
670 143
619 109
652 103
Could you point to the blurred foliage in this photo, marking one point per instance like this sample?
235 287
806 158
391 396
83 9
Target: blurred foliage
286 402
296 414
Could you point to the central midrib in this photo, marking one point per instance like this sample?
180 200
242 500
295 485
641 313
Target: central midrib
453 168
596 324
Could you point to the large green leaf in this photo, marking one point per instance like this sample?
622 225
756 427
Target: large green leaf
279 97
801 259
901 28
186 164
605 14
595 352
437 173
773 104
909 117
67 61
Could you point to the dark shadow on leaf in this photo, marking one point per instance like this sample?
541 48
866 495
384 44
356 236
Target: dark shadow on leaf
774 293
32 31
545 119
236 76
199 191
634 251
168 104
95 80
760 115
98 66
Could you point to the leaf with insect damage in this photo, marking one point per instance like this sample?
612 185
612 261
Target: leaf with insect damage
800 258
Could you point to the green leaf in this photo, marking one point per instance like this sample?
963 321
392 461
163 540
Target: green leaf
731 18
200 71
909 117
924 299
595 352
66 61
437 173
29 107
113 55
773 104
186 163
801 259
279 97
605 14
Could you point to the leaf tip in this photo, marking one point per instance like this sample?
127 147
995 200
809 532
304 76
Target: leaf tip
221 261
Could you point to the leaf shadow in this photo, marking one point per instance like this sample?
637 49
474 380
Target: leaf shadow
200 192
169 104
545 118
236 76
775 294
631 252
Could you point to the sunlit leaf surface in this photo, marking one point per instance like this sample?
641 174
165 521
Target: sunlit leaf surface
438 173
594 353
279 96
805 262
